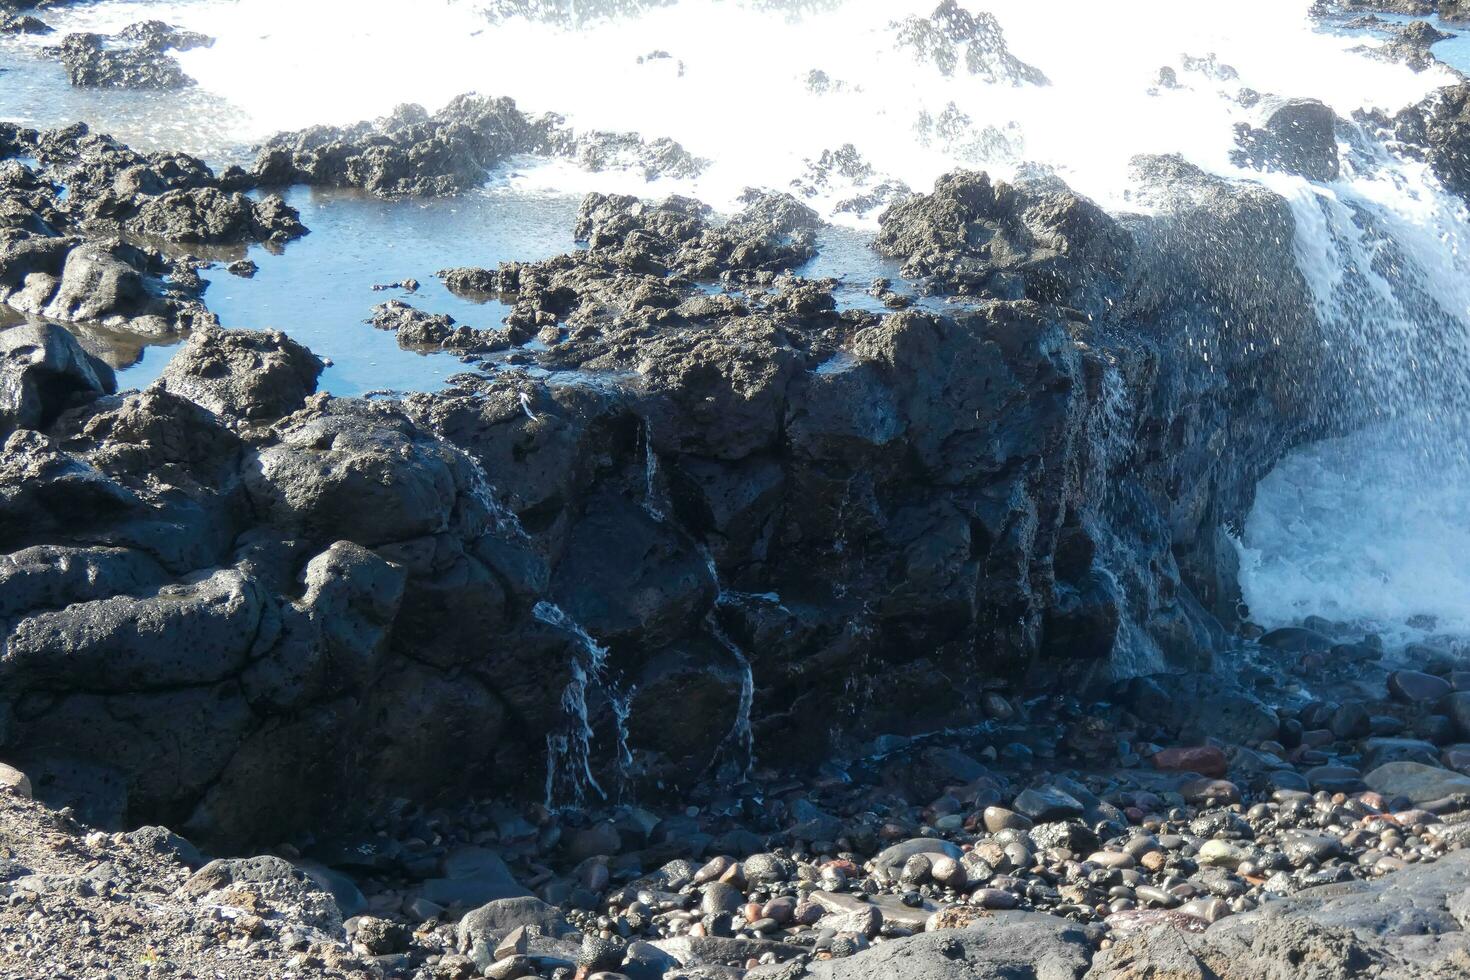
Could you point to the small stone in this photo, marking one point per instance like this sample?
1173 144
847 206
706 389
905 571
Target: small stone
598 953
764 869
515 943
1047 803
1220 854
1416 686
424 910
1207 760
720 897
949 872
994 898
998 818
1111 859
1210 792
713 869
916 870
1211 910
1303 849
509 968
1156 896
379 936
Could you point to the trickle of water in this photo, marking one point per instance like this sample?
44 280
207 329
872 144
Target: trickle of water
569 754
622 708
653 495
736 754
505 520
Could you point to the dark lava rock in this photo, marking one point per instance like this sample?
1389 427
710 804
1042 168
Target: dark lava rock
155 35
409 153
1298 136
210 216
23 24
91 63
243 374
1439 127
1295 639
77 256
749 506
1408 924
995 946
43 370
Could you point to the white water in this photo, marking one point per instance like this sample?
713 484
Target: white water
1372 528
743 100
569 751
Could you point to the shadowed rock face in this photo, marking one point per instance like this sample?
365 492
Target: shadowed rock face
237 607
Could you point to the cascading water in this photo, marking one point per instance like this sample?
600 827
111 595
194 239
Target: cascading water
569 752
1366 527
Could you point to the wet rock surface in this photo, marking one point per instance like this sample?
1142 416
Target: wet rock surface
137 58
90 231
694 533
670 543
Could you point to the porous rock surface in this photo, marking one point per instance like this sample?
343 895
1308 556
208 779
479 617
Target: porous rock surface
727 515
89 231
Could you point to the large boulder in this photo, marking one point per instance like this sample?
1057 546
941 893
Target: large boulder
249 375
1297 136
43 370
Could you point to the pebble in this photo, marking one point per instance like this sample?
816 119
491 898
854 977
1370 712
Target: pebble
1417 686
1207 760
998 818
1046 804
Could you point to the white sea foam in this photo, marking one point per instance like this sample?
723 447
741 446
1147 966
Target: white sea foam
734 89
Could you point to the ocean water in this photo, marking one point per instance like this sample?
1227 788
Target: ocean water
1366 528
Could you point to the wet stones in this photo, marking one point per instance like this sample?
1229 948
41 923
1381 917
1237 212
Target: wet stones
418 330
1416 781
1416 686
11 23
975 237
247 375
410 153
999 818
1439 127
